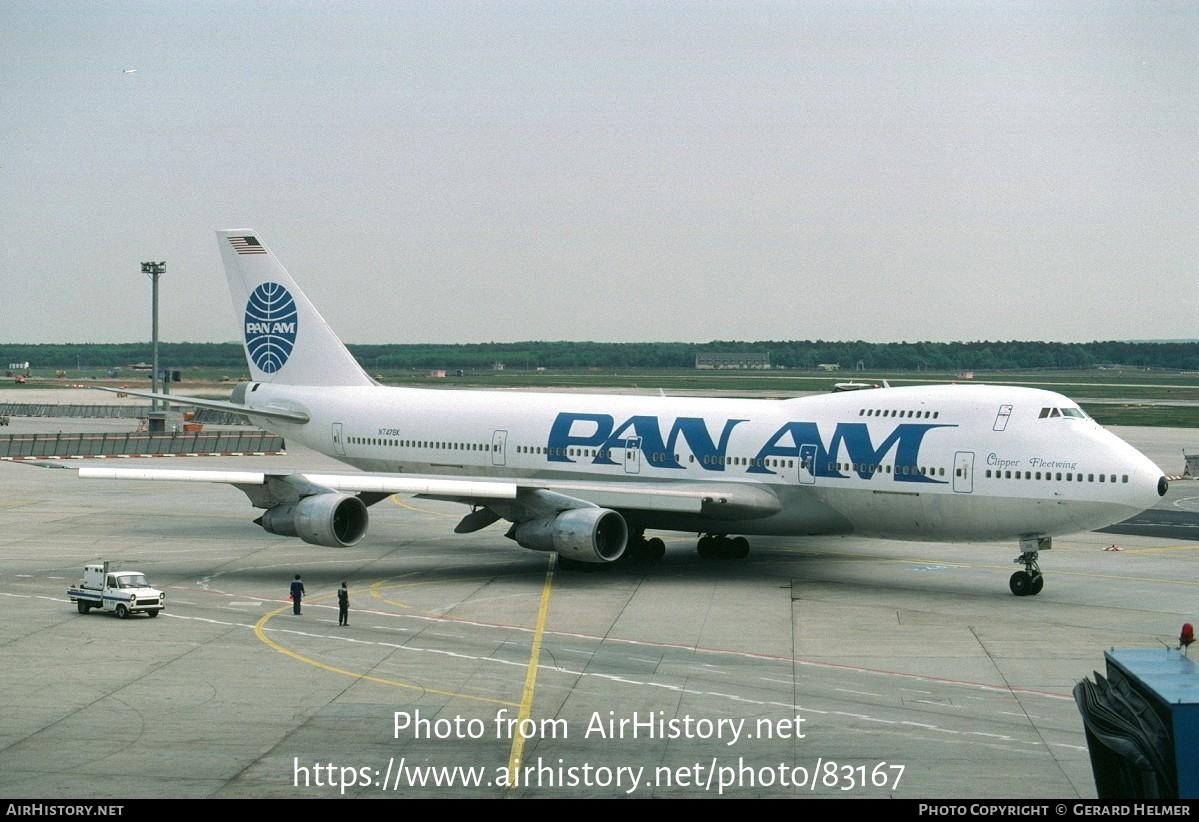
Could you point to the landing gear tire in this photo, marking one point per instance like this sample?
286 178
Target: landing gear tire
718 546
740 548
1038 582
640 549
1021 583
122 612
82 607
655 549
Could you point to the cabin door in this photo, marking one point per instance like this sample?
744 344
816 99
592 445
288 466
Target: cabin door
499 447
807 464
632 455
963 472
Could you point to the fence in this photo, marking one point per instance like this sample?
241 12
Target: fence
226 443
31 409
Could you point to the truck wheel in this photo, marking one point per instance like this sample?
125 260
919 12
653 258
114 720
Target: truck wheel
122 612
83 607
152 614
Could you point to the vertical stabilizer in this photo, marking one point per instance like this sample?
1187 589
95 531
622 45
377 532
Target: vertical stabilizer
285 338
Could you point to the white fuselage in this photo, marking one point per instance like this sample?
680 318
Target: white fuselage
948 462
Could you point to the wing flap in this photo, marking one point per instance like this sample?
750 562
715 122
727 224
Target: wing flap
731 500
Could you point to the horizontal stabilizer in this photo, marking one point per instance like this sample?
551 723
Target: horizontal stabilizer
289 414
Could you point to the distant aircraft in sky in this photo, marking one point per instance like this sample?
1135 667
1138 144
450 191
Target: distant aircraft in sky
587 475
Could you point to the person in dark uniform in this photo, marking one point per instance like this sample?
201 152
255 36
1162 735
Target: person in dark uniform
343 605
297 594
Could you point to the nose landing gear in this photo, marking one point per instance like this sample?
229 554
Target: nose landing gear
1029 582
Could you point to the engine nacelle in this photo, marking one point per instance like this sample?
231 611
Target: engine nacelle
335 520
585 534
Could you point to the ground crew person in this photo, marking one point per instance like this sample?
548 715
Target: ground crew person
297 594
343 605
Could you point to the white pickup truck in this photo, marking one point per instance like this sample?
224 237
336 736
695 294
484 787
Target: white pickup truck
123 592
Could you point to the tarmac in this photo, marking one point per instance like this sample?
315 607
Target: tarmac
818 666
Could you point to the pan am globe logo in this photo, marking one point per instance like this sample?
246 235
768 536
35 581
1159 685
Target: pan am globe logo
271 325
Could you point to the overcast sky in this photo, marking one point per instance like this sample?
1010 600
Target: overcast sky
461 172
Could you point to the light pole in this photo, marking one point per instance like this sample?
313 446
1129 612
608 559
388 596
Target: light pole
154 271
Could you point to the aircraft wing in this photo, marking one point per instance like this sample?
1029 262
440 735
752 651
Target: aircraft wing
729 500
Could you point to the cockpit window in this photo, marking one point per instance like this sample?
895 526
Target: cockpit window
1073 413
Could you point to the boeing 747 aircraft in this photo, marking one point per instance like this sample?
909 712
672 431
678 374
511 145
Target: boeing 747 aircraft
587 476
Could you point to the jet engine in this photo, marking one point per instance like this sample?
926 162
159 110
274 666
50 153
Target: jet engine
585 534
335 520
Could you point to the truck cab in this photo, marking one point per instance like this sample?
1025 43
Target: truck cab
121 592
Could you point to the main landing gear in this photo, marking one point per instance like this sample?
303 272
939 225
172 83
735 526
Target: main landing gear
642 549
1029 582
718 546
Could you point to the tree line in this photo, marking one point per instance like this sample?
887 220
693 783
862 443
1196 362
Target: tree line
802 354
